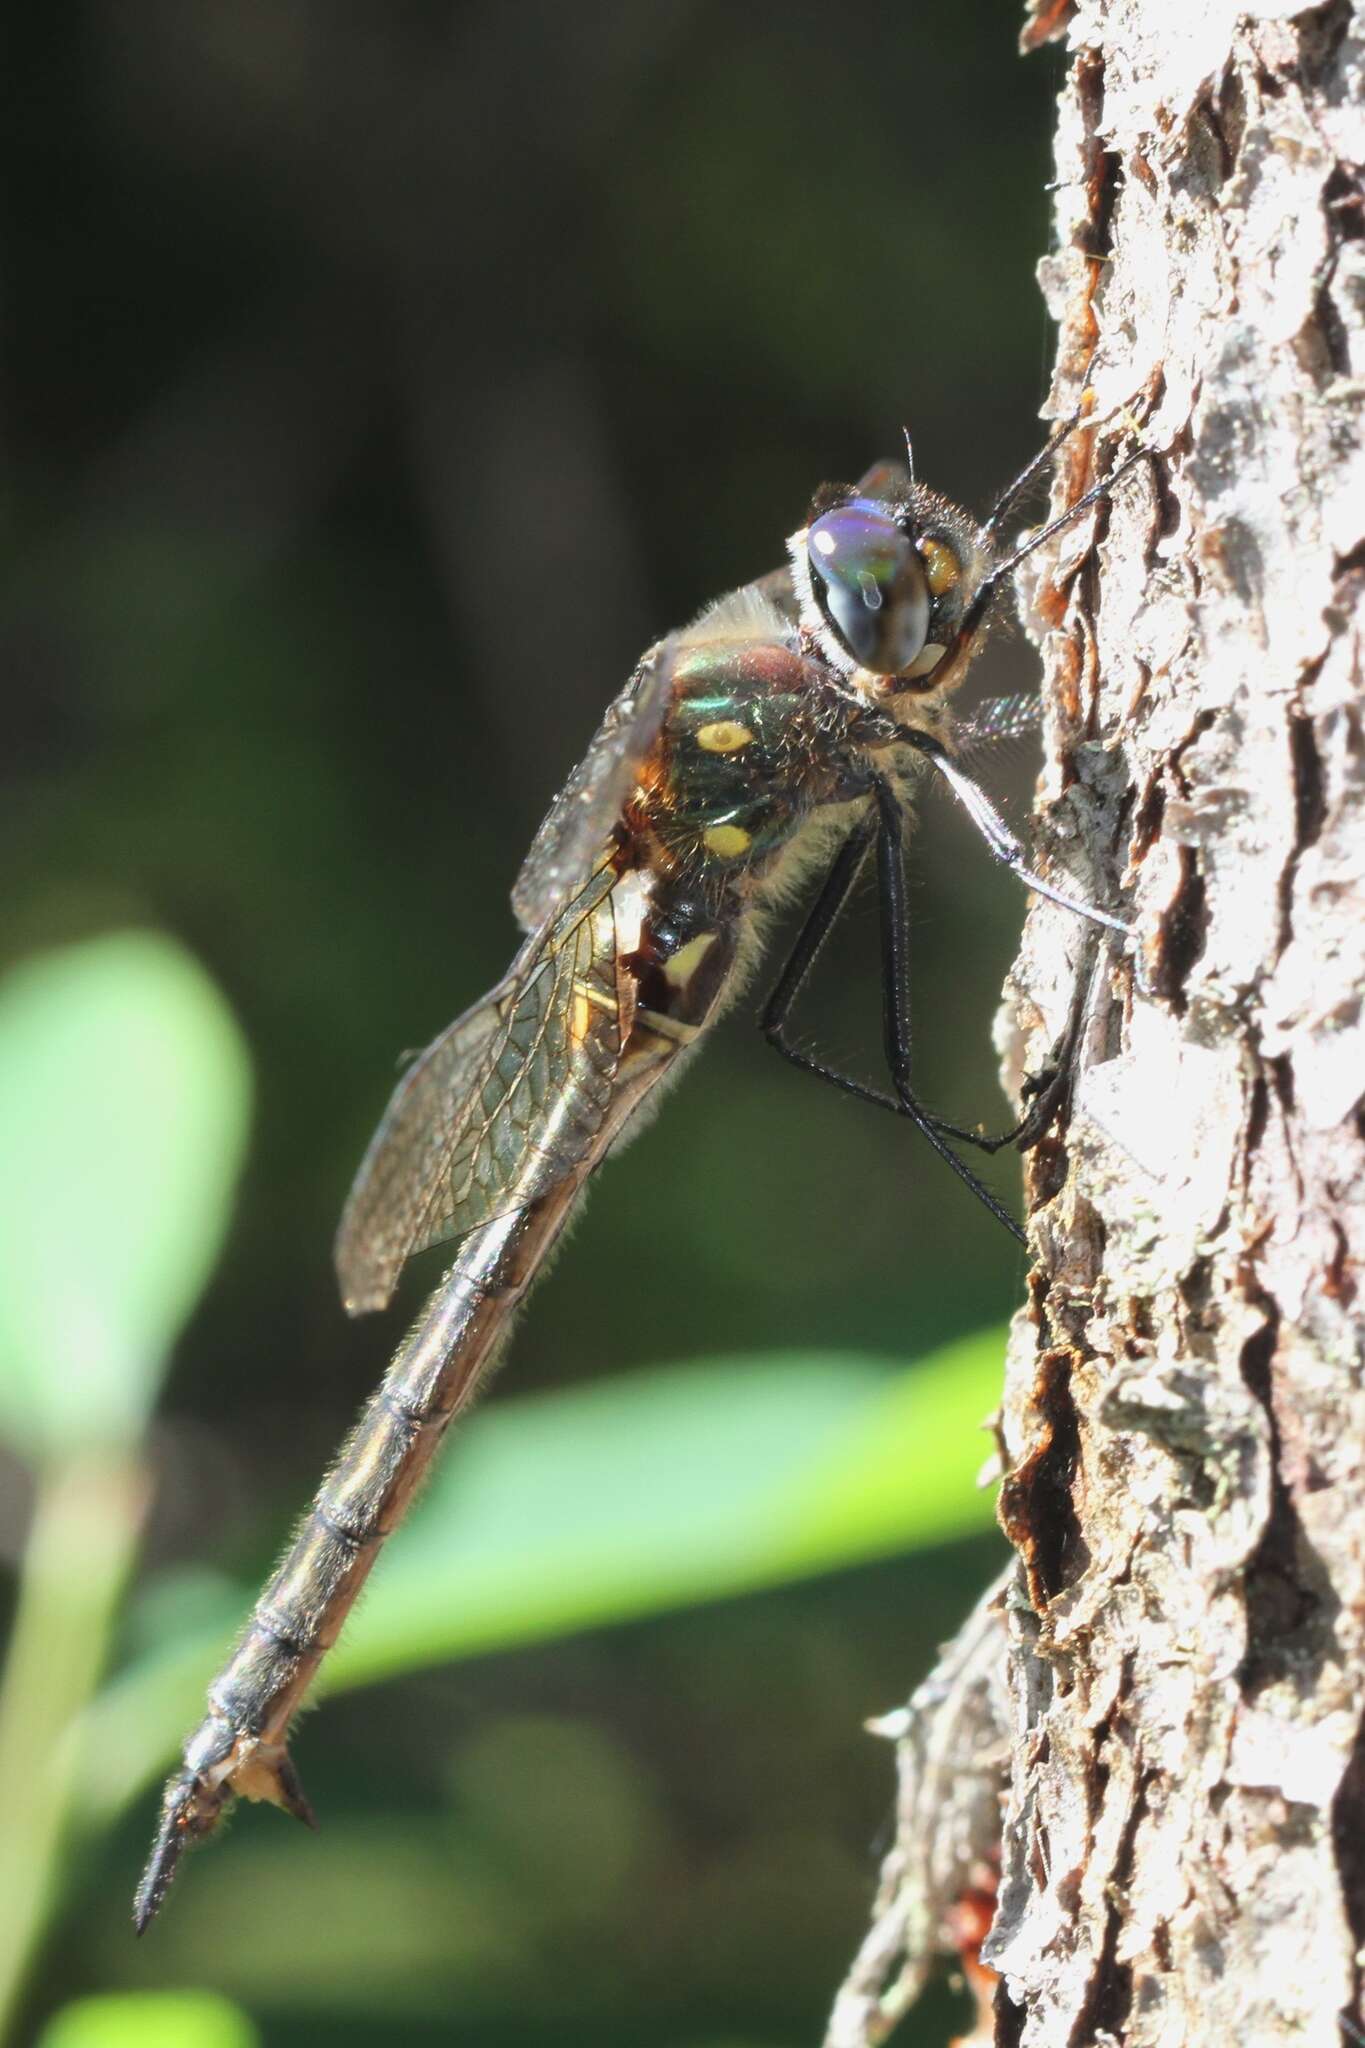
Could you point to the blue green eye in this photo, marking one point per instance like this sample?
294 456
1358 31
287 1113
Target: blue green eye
871 586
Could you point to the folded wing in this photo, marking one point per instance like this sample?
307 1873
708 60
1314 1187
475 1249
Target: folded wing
579 821
498 1109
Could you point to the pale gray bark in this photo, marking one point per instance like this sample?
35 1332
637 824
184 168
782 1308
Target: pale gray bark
1183 1857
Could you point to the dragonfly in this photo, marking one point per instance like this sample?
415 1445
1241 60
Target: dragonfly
779 737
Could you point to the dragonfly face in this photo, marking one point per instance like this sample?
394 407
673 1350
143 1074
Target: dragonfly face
780 730
886 572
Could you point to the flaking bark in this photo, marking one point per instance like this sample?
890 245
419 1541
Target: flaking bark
1183 1854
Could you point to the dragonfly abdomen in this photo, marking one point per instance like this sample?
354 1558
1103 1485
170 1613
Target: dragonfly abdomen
239 1748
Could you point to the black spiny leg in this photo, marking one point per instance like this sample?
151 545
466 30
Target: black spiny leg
896 999
1032 469
820 921
1045 1090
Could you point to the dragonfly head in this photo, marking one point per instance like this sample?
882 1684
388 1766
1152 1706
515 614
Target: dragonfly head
887 573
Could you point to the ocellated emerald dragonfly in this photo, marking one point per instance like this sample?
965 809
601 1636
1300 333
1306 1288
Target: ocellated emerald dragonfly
779 736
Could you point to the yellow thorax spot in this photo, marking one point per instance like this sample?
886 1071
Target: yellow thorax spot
728 841
941 566
723 736
679 970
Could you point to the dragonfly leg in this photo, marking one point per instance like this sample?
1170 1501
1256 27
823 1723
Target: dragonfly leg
1044 1093
820 921
991 582
896 1036
1002 842
1032 469
884 825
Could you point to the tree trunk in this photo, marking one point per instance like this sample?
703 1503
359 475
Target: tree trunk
1183 1430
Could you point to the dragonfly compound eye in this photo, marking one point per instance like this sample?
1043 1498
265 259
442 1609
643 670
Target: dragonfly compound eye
871 586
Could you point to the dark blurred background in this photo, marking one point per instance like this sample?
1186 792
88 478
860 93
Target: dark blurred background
378 380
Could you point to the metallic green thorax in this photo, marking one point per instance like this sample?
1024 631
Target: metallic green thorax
753 740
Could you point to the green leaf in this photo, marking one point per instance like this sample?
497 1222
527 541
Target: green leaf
150 2019
124 1091
653 1491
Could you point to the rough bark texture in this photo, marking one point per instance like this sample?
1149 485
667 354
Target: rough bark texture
1183 1858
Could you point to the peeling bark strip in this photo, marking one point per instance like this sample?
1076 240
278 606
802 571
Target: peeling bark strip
1184 1852
1184 1421
951 1748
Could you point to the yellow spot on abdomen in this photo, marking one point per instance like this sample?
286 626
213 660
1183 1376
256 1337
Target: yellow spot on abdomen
729 841
723 736
679 970
580 1017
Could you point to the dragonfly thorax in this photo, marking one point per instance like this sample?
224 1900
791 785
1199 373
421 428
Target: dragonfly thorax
755 738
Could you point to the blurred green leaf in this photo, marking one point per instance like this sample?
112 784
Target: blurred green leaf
124 1092
675 1486
152 2019
395 1917
571 1510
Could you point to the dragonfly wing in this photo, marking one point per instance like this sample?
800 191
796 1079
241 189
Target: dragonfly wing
498 1110
578 824
997 720
1002 718
887 480
405 1160
777 589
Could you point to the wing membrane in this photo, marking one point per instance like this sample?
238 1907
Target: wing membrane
579 821
998 719
498 1109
